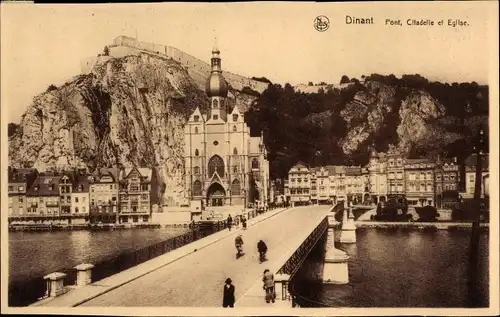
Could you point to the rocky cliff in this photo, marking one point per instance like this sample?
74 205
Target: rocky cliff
340 125
414 120
125 111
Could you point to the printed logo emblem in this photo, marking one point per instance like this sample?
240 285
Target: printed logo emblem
321 23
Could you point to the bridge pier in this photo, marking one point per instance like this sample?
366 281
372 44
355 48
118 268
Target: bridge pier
348 234
336 270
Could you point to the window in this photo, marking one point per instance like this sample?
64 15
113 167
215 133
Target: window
196 130
215 103
235 129
11 188
216 164
235 151
76 209
216 143
20 200
196 118
134 187
196 152
215 117
235 169
235 117
197 188
255 164
197 170
235 187
144 196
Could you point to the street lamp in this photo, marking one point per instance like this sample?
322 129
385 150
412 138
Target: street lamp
478 148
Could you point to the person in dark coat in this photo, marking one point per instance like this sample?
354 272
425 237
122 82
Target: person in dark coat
229 221
228 299
244 222
262 248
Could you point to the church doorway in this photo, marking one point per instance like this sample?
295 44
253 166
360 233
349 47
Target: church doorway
216 195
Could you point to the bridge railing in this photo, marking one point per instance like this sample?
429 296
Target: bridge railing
293 263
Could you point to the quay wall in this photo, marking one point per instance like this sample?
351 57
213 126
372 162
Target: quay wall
124 46
419 225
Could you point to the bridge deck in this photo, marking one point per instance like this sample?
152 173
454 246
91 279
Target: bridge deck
197 279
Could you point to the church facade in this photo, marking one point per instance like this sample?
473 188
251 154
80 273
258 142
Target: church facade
224 165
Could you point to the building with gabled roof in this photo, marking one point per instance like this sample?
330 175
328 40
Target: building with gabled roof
19 180
103 195
43 198
137 192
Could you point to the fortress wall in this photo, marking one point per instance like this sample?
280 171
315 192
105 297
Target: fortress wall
126 45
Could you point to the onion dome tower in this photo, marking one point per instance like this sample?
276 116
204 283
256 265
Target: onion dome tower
216 88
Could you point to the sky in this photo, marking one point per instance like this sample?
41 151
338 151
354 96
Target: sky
44 44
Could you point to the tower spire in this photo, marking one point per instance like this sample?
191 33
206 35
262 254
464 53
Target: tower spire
216 46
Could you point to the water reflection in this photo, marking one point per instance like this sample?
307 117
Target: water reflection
399 268
33 254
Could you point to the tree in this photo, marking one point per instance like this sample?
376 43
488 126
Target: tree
12 128
310 84
51 88
106 51
344 80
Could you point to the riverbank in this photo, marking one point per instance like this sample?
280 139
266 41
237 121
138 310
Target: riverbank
76 227
419 225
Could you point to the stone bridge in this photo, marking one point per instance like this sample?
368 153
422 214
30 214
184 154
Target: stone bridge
194 275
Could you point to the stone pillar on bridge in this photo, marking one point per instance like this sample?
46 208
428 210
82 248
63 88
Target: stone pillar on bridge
348 234
281 287
336 269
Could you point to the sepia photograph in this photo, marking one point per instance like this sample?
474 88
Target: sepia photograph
250 158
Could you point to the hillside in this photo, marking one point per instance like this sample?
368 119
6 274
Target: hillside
339 125
131 108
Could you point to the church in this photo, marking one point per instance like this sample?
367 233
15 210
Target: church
224 165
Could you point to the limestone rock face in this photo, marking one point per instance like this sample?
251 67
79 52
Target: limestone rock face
376 107
125 111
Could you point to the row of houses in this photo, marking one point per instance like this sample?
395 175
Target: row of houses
386 176
107 195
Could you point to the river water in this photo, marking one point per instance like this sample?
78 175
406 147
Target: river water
387 268
34 254
398 268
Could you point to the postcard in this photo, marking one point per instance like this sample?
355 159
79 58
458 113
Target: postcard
250 158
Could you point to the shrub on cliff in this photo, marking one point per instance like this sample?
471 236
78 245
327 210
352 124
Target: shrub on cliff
51 88
262 79
12 129
249 91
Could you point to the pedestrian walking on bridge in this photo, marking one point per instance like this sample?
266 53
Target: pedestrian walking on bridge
229 221
268 280
228 297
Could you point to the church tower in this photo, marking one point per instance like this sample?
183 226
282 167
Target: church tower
216 88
